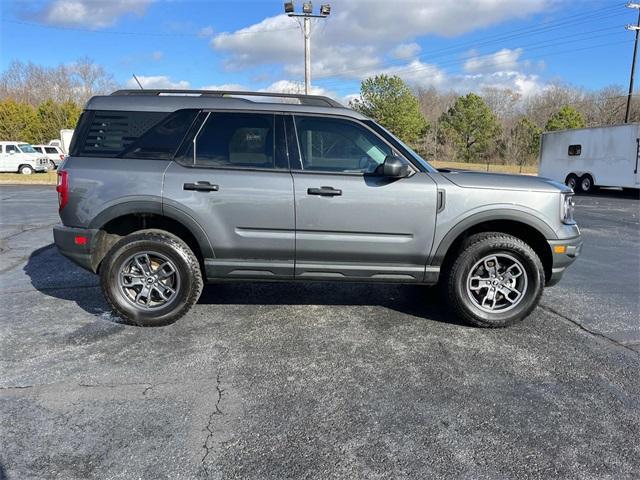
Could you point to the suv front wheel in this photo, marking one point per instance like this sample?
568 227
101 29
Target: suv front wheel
151 278
496 281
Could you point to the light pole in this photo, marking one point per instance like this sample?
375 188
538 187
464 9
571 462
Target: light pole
633 62
307 15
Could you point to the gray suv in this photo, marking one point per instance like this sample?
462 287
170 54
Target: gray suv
164 190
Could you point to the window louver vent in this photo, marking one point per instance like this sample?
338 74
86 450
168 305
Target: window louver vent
112 132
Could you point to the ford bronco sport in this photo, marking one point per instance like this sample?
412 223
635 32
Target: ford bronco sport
163 190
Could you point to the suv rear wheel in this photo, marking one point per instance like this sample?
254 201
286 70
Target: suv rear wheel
496 281
151 278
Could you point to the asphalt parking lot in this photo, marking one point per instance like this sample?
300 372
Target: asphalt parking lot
318 380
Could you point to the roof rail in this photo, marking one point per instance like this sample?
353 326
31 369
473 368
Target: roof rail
312 100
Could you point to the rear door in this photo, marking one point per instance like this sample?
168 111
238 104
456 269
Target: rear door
232 176
351 222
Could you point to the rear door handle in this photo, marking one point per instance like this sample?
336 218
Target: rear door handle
324 191
200 187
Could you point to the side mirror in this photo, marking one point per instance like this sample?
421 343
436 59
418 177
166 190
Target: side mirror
394 167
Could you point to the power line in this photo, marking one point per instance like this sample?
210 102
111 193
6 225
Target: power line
460 48
335 77
149 34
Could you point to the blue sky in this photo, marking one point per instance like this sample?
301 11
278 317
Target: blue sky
463 45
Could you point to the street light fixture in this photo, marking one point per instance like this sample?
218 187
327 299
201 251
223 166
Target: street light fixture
307 15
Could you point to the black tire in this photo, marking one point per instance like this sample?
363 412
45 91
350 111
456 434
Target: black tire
474 250
586 183
25 169
186 272
52 165
572 182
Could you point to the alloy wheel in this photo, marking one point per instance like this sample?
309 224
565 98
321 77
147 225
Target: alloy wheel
149 280
497 283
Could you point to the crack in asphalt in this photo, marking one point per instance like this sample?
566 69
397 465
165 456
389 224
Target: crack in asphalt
209 427
25 228
148 385
593 333
5 248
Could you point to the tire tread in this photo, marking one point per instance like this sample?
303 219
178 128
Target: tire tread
500 241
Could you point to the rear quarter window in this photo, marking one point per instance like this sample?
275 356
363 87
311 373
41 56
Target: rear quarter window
131 134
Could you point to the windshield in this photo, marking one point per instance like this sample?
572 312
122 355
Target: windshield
400 145
26 148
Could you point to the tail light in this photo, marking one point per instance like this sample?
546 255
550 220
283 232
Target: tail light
63 188
61 156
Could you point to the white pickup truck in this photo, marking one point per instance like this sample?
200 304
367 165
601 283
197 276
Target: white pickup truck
21 157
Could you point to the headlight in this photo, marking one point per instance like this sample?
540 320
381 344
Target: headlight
567 209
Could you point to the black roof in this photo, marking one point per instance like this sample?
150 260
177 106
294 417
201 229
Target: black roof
172 100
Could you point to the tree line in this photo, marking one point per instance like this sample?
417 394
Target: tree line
36 102
496 126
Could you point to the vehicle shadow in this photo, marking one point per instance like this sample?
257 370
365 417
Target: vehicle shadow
55 276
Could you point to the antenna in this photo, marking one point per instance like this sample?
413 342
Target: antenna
138 82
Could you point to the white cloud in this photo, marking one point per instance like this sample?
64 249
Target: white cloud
158 81
502 60
406 50
359 33
90 13
206 32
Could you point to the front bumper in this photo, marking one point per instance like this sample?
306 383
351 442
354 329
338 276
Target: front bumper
81 254
564 253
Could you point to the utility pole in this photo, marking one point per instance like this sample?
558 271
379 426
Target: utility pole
307 15
635 27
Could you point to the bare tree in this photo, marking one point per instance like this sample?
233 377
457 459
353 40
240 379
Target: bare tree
34 84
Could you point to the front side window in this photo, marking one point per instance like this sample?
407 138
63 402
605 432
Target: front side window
236 140
12 148
338 145
38 149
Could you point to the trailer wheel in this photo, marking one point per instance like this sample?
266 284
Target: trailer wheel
586 183
572 182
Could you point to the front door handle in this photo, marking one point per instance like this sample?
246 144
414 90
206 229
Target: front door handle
200 187
324 191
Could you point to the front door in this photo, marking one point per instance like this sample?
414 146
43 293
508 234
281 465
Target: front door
234 180
351 222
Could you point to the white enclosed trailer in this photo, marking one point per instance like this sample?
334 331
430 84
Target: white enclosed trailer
584 158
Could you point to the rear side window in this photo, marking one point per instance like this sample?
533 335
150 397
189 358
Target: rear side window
237 140
50 150
575 150
111 133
